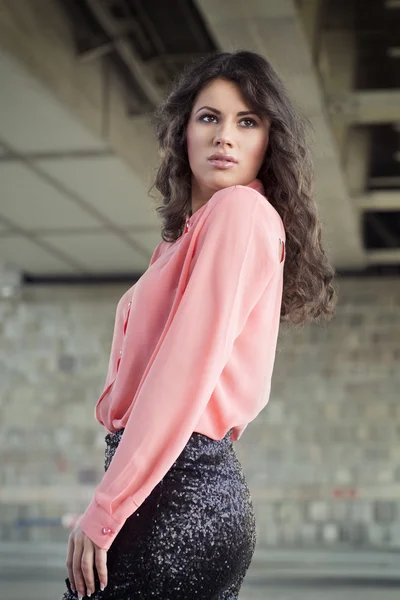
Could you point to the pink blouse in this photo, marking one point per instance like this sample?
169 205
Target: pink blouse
193 347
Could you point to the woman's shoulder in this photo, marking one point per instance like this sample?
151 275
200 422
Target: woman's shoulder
242 200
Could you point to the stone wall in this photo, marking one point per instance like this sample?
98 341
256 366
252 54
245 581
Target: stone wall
322 460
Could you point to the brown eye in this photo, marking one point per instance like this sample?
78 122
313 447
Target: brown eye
207 116
252 122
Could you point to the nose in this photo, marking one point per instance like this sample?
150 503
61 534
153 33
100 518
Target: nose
222 143
223 137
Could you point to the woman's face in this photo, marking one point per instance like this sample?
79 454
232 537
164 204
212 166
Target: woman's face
222 122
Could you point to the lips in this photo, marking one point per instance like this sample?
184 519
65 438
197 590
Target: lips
222 157
222 161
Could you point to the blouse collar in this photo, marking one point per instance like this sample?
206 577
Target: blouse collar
256 184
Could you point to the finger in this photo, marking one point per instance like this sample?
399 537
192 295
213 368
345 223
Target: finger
68 562
87 563
101 565
77 569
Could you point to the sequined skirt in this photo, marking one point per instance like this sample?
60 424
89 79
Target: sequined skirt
193 537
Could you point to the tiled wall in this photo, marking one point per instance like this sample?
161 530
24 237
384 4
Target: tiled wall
322 460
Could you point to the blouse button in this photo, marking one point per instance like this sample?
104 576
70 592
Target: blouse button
187 225
106 530
120 352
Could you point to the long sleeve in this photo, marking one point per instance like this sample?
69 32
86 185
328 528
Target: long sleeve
235 257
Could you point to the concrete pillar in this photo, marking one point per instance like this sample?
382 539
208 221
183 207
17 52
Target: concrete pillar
355 159
336 64
310 13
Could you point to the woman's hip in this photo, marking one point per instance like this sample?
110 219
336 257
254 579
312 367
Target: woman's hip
204 488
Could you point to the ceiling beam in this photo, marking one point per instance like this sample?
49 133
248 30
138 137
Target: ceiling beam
126 51
383 257
367 106
379 201
10 156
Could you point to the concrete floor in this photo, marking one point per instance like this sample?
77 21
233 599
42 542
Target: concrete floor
41 590
314 593
38 587
38 572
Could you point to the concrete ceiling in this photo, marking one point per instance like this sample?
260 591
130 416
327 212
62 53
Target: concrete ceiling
75 164
68 204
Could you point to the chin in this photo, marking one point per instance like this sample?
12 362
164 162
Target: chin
221 179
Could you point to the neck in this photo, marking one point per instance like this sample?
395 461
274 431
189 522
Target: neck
200 196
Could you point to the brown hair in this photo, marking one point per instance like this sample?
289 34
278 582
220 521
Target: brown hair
286 173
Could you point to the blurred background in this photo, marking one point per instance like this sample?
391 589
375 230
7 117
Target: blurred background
79 80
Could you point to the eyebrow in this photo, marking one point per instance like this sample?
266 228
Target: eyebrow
239 114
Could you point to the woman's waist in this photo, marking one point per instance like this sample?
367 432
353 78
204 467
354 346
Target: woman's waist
198 449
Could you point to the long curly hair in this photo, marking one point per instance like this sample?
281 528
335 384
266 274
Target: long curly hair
286 173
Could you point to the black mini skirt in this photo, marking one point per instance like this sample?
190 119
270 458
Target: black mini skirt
193 537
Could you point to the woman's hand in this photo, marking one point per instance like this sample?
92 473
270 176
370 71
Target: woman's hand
82 555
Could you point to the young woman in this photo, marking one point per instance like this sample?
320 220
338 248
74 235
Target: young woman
195 339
